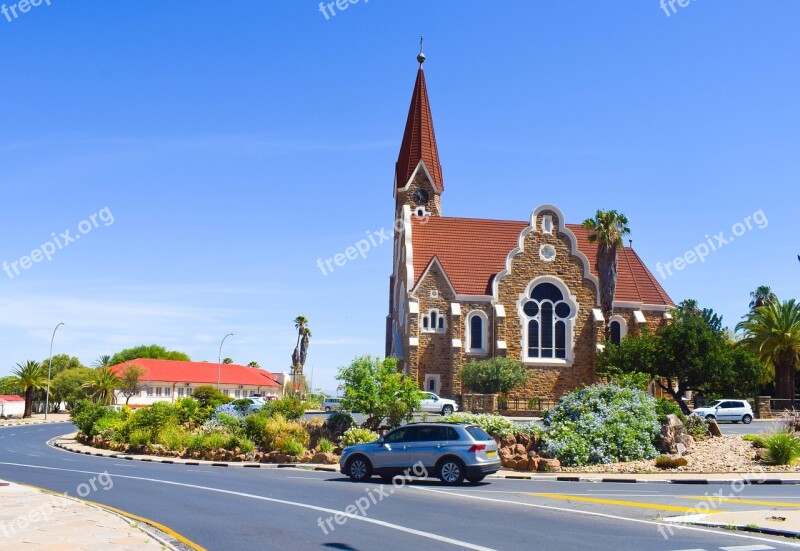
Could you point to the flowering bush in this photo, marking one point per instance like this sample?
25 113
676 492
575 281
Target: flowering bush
602 424
492 424
357 435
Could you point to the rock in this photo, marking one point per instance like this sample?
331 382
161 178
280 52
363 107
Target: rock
524 440
674 438
324 458
505 453
280 458
240 457
533 463
713 428
681 448
549 465
508 441
762 454
519 449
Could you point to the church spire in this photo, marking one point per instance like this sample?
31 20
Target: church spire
419 140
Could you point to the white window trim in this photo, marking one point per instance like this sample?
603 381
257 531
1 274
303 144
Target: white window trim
547 224
570 322
549 248
438 381
484 349
439 316
623 325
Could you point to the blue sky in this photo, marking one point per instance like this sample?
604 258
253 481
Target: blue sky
236 144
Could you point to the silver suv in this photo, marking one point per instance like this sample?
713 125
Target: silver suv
451 452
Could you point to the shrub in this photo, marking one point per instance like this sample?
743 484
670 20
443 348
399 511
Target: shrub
696 427
277 429
208 396
191 411
783 447
223 421
155 418
139 438
357 435
530 428
174 438
667 462
85 414
756 439
602 424
666 406
325 446
292 408
493 424
494 375
338 423
230 409
292 447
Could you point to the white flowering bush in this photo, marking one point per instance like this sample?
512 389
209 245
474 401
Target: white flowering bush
492 424
602 424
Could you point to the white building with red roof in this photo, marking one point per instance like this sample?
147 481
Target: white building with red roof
169 380
465 288
11 406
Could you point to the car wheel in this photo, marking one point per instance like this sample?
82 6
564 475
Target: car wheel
710 417
359 469
476 479
447 410
328 409
451 472
747 419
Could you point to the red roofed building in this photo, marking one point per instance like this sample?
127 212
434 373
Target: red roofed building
168 380
465 288
11 406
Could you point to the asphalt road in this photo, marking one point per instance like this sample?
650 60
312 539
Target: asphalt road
234 508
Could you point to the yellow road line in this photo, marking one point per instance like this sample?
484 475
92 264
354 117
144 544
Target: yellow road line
635 504
744 501
165 529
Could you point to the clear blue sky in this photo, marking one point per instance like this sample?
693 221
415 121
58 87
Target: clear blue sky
236 143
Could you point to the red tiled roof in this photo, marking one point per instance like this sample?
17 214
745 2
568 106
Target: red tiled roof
171 371
8 398
472 251
419 140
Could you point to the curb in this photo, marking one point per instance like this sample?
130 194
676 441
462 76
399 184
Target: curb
31 424
335 468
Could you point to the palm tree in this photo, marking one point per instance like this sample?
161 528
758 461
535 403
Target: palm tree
104 386
227 361
300 323
607 229
304 343
30 376
254 365
102 361
772 334
762 296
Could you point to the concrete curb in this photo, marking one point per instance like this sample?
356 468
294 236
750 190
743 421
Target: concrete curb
335 468
4 425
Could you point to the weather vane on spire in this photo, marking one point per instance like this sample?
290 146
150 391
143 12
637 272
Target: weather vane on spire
421 56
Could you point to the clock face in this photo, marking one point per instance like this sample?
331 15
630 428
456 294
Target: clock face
420 197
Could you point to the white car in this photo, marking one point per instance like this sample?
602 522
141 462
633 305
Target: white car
727 410
332 404
431 403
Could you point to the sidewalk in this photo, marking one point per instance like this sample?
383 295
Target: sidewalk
776 522
37 419
37 520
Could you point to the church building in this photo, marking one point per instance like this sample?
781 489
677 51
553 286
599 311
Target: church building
466 289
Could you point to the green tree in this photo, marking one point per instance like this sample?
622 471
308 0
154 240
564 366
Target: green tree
10 387
207 395
61 362
30 377
131 381
103 386
607 229
762 296
153 351
103 360
494 375
68 386
227 361
375 388
254 365
692 352
301 347
772 334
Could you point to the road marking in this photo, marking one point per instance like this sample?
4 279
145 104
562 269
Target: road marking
603 515
384 524
712 497
747 548
634 504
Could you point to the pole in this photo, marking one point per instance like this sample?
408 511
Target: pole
49 370
219 360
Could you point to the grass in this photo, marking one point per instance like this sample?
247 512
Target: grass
784 448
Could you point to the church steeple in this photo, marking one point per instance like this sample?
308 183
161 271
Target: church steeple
419 140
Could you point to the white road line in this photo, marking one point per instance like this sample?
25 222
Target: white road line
747 548
389 525
602 515
306 478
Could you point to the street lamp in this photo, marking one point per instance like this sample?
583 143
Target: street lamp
219 360
49 369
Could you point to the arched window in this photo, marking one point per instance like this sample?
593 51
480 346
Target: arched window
432 385
619 328
477 332
547 316
433 322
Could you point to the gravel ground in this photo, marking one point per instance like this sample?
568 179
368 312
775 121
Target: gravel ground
727 454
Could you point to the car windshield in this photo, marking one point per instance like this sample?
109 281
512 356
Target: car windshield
478 434
715 404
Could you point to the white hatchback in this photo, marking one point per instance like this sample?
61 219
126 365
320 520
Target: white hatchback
727 410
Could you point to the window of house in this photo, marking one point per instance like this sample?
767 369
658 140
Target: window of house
180 392
432 385
477 332
433 322
619 328
158 390
548 323
237 394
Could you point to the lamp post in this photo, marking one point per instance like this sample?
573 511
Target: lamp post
219 360
49 370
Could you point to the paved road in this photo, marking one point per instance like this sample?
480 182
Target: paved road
235 508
